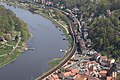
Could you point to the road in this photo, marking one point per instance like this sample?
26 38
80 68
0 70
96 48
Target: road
19 39
64 26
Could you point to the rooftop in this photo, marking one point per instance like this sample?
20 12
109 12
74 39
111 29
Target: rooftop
103 71
66 74
103 58
109 78
74 71
55 76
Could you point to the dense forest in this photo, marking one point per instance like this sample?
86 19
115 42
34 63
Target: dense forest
13 33
105 34
104 29
11 25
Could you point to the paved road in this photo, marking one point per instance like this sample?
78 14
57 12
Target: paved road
64 26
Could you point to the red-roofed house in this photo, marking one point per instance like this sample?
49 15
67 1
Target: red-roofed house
67 69
103 58
74 71
92 78
55 76
87 64
90 69
50 78
109 78
80 77
77 77
103 73
66 74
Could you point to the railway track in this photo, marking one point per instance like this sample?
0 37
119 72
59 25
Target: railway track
65 60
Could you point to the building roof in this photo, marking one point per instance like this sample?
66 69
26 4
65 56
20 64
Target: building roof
80 77
87 73
91 68
67 69
90 62
109 78
66 74
50 78
103 72
55 76
74 71
77 76
92 78
103 57
56 79
97 54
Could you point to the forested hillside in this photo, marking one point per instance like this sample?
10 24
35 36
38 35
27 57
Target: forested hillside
104 29
11 25
105 34
13 36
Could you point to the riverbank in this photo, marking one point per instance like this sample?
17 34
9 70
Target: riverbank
54 62
12 57
46 36
57 22
13 40
15 53
45 13
48 14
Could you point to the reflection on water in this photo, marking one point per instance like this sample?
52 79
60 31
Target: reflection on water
47 41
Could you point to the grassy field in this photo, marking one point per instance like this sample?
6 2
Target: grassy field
9 58
5 50
55 62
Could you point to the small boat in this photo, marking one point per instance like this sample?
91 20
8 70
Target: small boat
29 49
63 50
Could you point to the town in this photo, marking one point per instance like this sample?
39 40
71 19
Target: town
86 63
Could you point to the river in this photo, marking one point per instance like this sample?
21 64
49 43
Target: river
47 41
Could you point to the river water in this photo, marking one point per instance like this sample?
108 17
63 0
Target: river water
47 41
